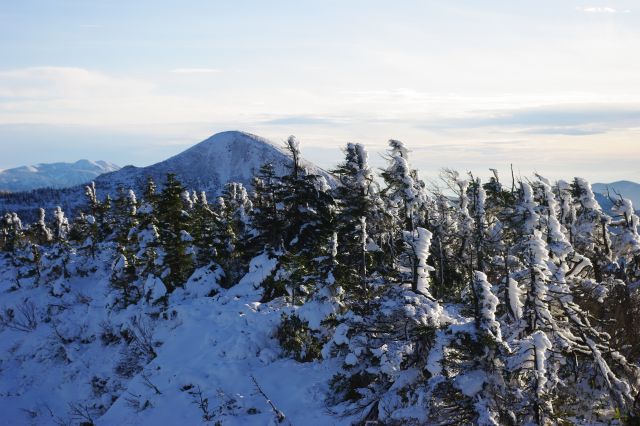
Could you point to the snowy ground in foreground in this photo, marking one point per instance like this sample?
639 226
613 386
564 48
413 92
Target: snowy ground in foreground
215 344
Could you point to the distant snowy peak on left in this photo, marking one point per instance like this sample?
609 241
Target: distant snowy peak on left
53 175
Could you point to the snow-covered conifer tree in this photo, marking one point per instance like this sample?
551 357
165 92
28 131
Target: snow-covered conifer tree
39 231
357 197
307 210
267 213
234 209
205 225
419 242
591 236
174 238
405 199
626 240
11 232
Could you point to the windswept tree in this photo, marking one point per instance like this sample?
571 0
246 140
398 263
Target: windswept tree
406 203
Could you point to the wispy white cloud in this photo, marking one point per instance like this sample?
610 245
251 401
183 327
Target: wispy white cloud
567 119
73 95
601 9
48 82
195 70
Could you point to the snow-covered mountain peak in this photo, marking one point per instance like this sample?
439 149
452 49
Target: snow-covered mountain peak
232 139
231 156
89 164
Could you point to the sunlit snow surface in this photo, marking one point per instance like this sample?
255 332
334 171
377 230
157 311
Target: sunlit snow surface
214 344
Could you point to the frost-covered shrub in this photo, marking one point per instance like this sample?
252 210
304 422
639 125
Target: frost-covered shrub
140 349
385 351
23 317
108 335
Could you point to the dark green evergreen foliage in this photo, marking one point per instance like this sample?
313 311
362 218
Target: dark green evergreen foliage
235 208
25 255
82 233
453 252
297 340
447 279
145 244
308 206
99 211
498 197
477 198
149 194
131 262
234 234
175 239
290 279
61 247
205 226
357 187
359 215
405 195
123 277
12 235
94 223
466 352
27 261
407 208
171 209
304 203
310 211
123 215
268 215
451 407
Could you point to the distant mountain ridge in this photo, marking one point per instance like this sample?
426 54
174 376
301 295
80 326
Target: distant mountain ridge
627 189
53 175
231 156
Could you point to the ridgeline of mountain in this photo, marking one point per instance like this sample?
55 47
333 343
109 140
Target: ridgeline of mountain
53 175
230 156
627 189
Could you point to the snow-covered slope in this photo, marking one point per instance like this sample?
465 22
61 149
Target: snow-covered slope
53 175
231 156
81 360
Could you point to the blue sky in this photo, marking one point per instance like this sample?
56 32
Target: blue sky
550 86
